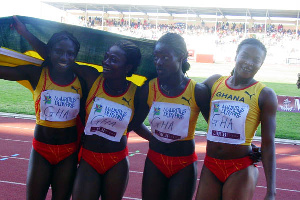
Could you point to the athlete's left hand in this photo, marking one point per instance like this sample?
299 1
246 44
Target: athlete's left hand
255 155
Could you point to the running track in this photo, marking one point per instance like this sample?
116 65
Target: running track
15 145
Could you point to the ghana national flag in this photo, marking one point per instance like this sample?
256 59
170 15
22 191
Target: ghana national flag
93 43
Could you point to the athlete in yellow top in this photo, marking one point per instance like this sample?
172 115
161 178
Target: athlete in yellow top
57 94
173 102
238 104
45 101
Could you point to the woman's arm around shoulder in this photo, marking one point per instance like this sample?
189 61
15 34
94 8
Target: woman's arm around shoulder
203 94
87 73
202 97
141 110
210 81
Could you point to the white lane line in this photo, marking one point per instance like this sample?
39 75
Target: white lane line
282 169
136 172
258 186
284 154
17 127
5 139
197 133
14 157
137 153
137 139
290 170
131 198
283 189
276 154
15 183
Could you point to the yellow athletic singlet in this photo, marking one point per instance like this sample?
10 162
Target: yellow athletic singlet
234 114
108 116
56 106
172 118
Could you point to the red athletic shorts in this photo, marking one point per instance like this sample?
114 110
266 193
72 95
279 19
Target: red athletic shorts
222 169
54 153
170 165
102 162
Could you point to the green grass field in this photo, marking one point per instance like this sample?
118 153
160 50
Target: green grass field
14 98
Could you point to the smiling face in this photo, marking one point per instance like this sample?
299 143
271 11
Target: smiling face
248 61
166 61
114 63
63 54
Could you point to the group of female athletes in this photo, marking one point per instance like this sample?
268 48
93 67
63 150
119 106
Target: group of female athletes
111 106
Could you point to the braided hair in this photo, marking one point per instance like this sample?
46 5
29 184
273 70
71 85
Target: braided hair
63 35
177 43
57 37
132 53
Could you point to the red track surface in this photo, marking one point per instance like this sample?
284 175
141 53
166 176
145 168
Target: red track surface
15 145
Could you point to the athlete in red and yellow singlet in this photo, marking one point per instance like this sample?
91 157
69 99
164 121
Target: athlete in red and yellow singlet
173 102
184 100
239 104
227 101
234 118
67 105
172 119
104 167
107 117
57 95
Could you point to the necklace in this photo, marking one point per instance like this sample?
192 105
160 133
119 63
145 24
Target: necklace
168 91
114 90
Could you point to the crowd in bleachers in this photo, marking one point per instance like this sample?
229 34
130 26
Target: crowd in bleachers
224 33
223 29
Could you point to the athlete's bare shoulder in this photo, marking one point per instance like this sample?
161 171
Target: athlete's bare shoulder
209 82
268 97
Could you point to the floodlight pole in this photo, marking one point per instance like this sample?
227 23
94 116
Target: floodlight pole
156 19
103 18
187 18
267 13
216 22
86 15
246 23
297 24
129 17
64 14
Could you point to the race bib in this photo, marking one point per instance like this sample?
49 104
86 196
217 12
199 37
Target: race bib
59 106
227 121
169 122
108 119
